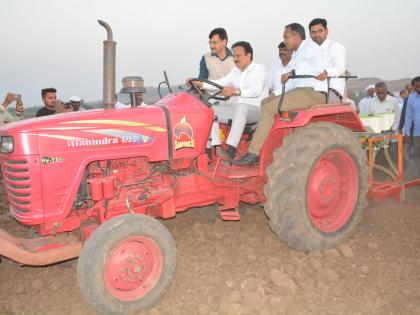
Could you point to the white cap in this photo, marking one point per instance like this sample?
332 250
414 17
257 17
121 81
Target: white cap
372 86
75 99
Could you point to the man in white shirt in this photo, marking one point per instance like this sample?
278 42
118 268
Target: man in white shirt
279 68
75 103
245 85
138 99
335 59
307 59
134 86
364 102
384 103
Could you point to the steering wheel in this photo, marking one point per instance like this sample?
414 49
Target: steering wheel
206 97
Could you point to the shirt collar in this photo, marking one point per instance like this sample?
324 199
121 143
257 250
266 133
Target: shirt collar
302 44
325 44
249 68
228 54
387 99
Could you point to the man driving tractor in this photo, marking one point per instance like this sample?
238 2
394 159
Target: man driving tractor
243 88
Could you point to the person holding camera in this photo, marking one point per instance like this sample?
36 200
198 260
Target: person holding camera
5 115
49 97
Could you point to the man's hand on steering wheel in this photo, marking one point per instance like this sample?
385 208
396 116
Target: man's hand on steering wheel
229 91
197 84
189 82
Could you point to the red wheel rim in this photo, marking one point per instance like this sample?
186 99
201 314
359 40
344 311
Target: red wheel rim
332 190
133 268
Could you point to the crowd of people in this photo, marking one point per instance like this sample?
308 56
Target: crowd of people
380 100
51 106
54 106
307 73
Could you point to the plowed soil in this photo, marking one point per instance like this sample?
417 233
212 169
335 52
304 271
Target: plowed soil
241 268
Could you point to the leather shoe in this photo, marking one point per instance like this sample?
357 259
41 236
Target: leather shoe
247 159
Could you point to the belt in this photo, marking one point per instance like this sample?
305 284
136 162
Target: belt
335 92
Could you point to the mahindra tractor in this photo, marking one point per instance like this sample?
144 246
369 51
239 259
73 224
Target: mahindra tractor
97 184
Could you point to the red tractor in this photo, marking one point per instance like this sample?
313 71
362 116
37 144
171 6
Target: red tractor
93 184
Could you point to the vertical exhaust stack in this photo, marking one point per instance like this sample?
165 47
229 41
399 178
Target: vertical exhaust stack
108 68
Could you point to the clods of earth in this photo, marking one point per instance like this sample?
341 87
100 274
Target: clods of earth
241 268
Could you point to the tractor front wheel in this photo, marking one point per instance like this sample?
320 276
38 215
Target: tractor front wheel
316 187
127 264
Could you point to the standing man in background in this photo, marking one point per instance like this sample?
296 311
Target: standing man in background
384 103
364 102
49 97
335 59
75 103
409 88
412 118
219 61
5 115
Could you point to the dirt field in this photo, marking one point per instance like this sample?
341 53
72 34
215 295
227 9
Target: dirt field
240 268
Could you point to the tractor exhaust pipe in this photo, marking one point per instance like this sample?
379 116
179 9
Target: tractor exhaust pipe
108 68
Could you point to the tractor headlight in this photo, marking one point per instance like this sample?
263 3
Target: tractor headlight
7 144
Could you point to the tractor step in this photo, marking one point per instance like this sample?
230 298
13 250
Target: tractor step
222 169
230 215
229 212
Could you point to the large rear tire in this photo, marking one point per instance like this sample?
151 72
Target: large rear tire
317 186
127 264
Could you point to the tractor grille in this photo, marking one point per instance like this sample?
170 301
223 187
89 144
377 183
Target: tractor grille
17 180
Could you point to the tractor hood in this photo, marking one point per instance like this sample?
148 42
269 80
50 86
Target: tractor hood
89 119
165 130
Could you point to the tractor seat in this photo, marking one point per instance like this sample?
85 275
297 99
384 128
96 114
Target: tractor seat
249 128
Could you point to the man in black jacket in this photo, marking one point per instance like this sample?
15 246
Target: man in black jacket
49 97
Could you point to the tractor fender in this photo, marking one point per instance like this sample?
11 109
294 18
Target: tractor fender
343 115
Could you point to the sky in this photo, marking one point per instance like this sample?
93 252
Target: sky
56 43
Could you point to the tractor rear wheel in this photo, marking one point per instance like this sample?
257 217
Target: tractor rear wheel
127 264
317 186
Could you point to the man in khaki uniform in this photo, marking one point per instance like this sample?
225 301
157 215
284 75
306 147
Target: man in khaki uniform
309 59
5 115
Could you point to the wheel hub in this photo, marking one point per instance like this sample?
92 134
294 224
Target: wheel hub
133 267
328 190
129 268
332 190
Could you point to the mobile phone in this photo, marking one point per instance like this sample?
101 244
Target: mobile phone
17 97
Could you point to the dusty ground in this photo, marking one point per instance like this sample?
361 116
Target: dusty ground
240 268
